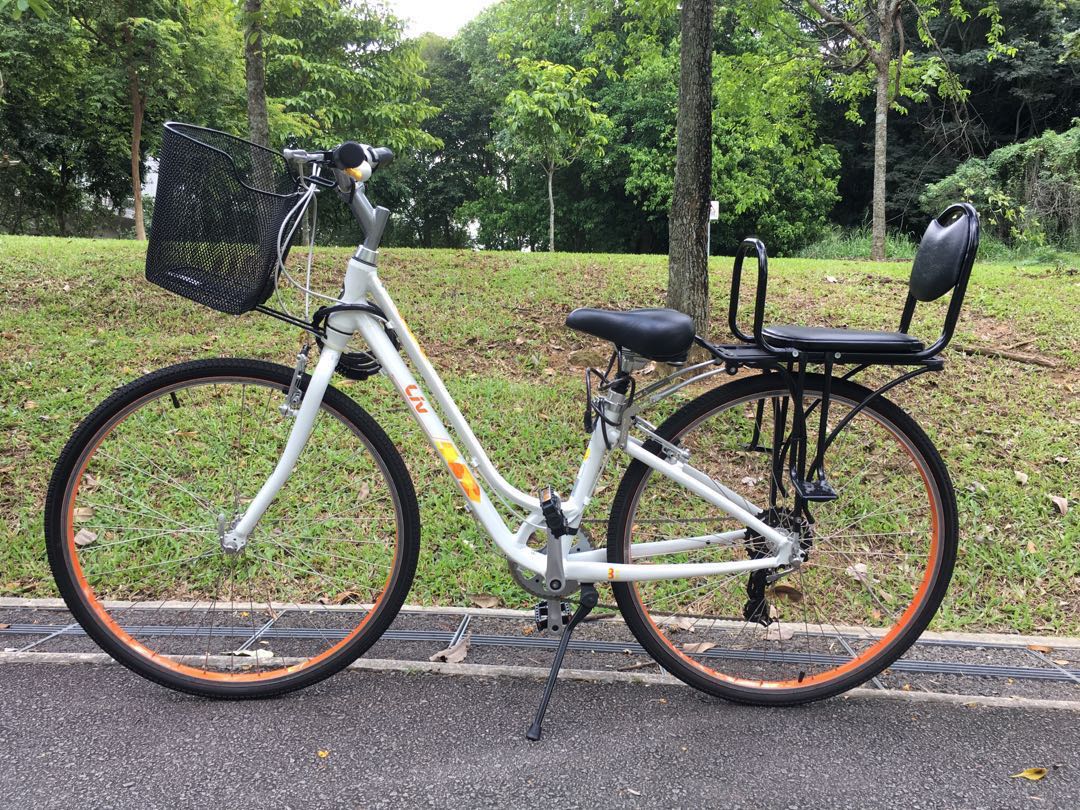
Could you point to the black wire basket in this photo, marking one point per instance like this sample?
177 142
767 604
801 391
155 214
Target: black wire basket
221 205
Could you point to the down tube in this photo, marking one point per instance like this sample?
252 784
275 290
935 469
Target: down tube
429 421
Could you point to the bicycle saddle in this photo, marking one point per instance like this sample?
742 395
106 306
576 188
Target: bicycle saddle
658 334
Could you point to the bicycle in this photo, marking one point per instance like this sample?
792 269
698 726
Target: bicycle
236 528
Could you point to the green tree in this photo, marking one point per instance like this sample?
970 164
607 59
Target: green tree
63 140
770 173
255 20
1007 98
87 88
551 121
865 43
16 8
158 49
337 70
1026 192
427 187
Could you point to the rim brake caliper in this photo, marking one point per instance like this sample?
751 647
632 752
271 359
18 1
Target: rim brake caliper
291 406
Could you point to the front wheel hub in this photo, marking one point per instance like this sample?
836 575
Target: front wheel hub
231 543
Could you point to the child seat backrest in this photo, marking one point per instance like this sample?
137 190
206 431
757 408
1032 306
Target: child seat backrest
945 253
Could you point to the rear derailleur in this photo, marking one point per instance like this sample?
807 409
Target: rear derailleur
757 608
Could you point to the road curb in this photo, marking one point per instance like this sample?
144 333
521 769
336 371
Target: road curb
1063 642
592 676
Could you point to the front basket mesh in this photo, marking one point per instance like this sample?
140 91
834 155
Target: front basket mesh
220 204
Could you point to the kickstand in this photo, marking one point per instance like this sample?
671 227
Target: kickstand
589 598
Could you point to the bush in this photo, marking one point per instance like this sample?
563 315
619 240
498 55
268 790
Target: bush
1027 193
854 243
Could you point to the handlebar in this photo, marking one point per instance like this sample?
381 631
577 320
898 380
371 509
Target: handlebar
350 164
345 156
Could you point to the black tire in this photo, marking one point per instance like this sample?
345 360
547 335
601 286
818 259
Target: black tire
100 610
756 683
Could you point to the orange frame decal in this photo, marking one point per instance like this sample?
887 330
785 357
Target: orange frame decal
413 394
458 468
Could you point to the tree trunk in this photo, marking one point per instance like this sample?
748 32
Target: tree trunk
255 69
137 109
551 207
62 199
688 222
881 118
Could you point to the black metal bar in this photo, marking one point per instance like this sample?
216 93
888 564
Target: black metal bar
759 413
818 465
289 319
909 311
873 395
799 423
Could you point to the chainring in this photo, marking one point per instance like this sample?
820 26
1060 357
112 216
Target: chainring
535 583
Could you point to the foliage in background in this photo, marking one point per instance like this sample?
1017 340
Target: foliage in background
1027 192
1009 99
773 175
339 71
784 150
67 114
427 185
335 70
550 122
865 47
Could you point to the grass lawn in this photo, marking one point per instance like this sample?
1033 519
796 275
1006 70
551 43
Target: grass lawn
79 320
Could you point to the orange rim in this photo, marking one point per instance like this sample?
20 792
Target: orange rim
859 660
165 661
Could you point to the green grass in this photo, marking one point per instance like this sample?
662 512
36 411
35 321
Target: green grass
79 320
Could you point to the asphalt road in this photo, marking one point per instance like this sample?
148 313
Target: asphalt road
97 736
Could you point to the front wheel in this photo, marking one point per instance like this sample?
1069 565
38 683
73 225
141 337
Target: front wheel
879 558
150 481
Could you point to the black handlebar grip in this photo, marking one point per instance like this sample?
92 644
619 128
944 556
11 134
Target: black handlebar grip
383 155
349 155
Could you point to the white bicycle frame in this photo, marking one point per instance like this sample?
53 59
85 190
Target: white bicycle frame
362 285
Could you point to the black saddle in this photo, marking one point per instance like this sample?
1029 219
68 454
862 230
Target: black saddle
658 334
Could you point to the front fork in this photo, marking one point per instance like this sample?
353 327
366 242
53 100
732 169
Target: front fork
234 539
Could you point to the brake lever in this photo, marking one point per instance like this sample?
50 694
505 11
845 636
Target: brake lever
323 182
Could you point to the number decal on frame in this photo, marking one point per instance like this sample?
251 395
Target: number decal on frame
413 393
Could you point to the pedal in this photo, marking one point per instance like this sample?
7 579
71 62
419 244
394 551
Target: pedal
551 506
814 490
542 615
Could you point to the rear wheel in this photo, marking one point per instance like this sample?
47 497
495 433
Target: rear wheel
148 483
879 557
